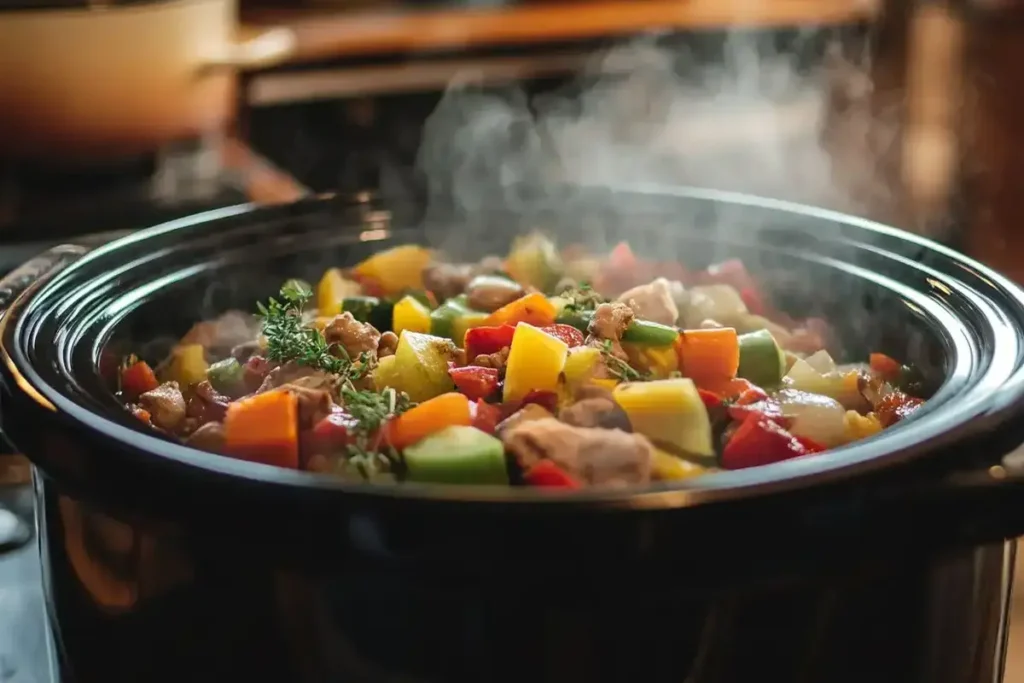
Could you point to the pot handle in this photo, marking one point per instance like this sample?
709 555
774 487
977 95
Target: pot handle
255 49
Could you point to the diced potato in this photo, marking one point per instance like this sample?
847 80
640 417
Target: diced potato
421 365
670 412
535 362
331 290
385 374
409 314
667 467
397 269
580 365
187 365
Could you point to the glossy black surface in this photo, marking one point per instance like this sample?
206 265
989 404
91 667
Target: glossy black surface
881 561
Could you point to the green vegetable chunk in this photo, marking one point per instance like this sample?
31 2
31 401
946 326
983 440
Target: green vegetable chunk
225 375
369 309
444 317
649 333
762 361
457 455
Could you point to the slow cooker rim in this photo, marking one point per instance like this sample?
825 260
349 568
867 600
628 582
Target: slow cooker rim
858 458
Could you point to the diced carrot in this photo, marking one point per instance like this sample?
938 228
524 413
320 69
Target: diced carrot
428 417
264 428
709 356
885 366
137 379
534 309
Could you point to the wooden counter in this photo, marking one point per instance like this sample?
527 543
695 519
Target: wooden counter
325 33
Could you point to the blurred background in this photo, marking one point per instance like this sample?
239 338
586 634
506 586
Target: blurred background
118 114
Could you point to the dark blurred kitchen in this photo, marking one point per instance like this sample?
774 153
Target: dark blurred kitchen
908 112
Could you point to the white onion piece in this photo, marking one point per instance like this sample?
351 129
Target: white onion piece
817 417
822 362
715 302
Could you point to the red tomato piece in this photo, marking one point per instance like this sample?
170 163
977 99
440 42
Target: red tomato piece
137 379
485 416
547 474
334 430
567 333
760 441
474 381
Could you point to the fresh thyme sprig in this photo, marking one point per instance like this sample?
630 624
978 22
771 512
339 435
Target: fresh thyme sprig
619 368
368 452
582 298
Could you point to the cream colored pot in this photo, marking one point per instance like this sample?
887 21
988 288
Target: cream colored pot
99 83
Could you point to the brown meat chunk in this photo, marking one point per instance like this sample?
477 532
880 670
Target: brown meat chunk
608 324
491 293
388 344
206 404
492 360
598 457
446 280
531 411
291 372
355 337
652 301
209 437
165 405
596 411
314 403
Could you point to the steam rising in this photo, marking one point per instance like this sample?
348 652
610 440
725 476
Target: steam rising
647 113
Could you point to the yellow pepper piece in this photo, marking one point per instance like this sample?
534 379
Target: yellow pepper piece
385 374
580 365
861 426
409 314
667 467
668 411
608 383
535 362
333 287
421 365
188 365
397 269
660 361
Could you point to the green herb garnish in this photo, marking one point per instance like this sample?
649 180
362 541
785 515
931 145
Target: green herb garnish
582 298
619 368
367 452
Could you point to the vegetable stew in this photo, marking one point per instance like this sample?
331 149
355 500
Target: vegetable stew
548 367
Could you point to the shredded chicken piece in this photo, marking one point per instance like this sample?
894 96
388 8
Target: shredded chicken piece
598 457
209 437
355 337
652 301
165 405
531 411
596 411
387 345
492 360
608 324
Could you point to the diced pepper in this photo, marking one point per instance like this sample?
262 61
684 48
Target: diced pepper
580 365
475 381
754 402
709 356
453 318
486 416
410 314
533 308
423 296
398 268
896 406
889 368
369 309
137 379
427 418
226 376
659 361
647 333
534 260
457 455
385 374
264 428
187 365
668 411
809 444
711 400
579 320
667 467
547 474
760 441
545 399
762 361
487 339
535 361
332 290
567 333
421 366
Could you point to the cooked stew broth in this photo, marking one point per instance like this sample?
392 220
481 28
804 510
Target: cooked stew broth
548 367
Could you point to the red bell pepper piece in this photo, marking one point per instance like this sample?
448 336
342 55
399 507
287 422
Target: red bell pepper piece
484 340
764 407
547 474
333 431
474 381
760 441
545 399
137 379
485 416
811 445
896 406
733 388
711 400
567 333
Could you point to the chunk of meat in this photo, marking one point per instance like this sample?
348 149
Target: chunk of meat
531 411
388 344
596 411
165 405
490 294
292 372
598 457
314 403
220 335
653 301
209 437
206 404
446 280
716 302
355 337
608 324
496 360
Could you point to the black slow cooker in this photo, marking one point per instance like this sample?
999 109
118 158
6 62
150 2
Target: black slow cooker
886 560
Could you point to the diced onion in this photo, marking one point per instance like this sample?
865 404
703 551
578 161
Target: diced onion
819 418
822 362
